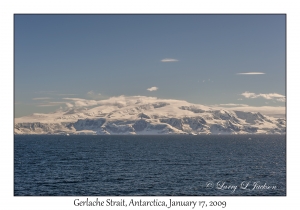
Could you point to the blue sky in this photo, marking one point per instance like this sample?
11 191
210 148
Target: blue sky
101 56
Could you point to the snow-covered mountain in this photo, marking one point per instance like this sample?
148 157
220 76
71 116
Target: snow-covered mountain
148 115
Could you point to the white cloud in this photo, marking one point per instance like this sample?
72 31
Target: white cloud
268 96
249 95
153 89
121 101
251 73
127 100
169 60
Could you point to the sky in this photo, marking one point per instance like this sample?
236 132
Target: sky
203 59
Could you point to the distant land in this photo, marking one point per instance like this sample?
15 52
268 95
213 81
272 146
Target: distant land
141 115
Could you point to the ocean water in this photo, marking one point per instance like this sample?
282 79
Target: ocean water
55 165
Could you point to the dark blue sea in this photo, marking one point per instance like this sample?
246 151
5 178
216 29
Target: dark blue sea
180 165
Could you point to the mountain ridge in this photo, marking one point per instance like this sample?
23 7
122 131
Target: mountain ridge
148 115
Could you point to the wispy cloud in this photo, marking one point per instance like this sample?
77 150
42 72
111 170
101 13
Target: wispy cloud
153 89
93 95
207 80
70 102
45 105
79 102
67 94
45 92
169 60
268 96
122 100
42 98
233 105
51 104
251 73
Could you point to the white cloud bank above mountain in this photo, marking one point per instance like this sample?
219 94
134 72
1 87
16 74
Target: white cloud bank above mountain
275 111
268 96
80 102
123 101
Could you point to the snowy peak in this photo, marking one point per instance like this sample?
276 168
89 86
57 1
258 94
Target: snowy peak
148 115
